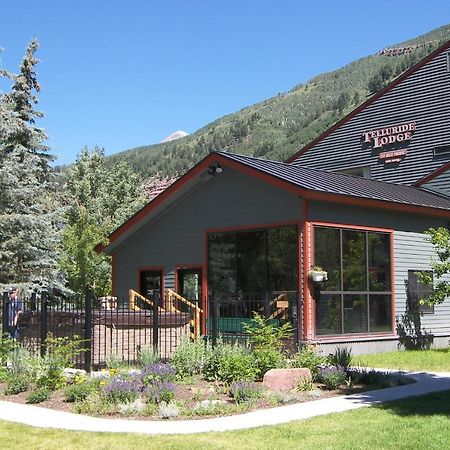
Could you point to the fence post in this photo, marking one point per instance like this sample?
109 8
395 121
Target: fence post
155 301
88 331
44 322
33 301
214 310
5 313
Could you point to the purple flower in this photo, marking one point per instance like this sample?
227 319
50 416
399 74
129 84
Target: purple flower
120 390
160 391
158 371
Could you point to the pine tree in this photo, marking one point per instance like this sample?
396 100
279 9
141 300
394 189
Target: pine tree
28 236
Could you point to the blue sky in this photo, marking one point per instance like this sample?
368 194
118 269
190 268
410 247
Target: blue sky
121 74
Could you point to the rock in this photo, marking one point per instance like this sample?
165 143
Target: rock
285 379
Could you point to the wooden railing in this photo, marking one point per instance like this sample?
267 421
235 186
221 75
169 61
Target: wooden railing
196 310
132 295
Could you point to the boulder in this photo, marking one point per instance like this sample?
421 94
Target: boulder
285 379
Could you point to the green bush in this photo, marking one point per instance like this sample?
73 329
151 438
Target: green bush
230 362
342 357
266 359
17 384
190 357
308 358
244 391
7 346
4 374
147 356
79 391
332 377
38 396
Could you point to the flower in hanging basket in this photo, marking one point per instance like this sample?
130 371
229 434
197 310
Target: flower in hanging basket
316 273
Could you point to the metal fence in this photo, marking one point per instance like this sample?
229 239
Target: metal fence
230 313
111 331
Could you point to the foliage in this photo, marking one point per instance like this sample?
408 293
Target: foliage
230 362
160 391
29 222
101 198
147 355
305 384
78 392
168 410
114 361
39 395
263 334
342 357
119 390
332 377
157 372
135 407
266 359
17 384
21 361
440 239
244 391
378 380
308 358
7 347
190 357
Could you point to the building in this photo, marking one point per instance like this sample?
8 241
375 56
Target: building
238 234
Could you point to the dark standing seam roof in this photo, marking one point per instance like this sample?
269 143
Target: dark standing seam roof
335 183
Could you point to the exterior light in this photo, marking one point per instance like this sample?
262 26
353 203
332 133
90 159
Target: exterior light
214 169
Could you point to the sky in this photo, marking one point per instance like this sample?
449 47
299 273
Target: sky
122 74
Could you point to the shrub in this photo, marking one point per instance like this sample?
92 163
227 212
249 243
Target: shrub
308 358
160 391
230 362
21 361
4 374
17 384
244 391
378 379
121 391
38 396
332 377
138 406
7 347
266 359
114 362
191 357
342 357
263 334
147 356
157 372
168 410
79 391
305 384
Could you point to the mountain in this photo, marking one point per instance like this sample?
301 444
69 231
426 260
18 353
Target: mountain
279 126
174 136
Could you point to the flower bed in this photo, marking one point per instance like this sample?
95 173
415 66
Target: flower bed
198 381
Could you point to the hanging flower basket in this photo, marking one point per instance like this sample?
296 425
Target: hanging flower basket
317 274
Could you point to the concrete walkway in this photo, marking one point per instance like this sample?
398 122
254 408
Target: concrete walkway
47 418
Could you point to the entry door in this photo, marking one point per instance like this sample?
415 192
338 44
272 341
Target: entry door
190 285
150 282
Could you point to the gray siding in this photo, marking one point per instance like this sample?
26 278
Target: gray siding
440 183
424 97
177 236
411 251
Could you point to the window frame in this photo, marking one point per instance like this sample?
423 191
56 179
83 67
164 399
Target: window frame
367 293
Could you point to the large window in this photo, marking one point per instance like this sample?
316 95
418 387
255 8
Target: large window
418 291
356 298
254 261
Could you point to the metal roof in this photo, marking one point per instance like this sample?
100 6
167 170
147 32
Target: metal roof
340 184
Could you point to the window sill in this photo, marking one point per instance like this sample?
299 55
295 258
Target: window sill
353 338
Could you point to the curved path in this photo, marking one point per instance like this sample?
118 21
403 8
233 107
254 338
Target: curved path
47 418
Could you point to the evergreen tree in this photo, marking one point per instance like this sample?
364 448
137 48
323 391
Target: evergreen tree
28 236
100 199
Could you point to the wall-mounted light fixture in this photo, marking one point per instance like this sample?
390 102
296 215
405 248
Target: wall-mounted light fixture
215 168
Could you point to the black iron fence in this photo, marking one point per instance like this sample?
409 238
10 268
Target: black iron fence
112 329
230 313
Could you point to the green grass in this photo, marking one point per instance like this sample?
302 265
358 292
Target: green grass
437 360
415 423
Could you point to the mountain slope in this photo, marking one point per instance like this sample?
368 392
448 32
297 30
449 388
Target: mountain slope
278 127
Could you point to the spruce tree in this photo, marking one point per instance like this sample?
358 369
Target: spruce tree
28 236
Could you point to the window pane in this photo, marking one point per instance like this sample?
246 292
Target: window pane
328 314
251 261
354 260
379 262
380 313
355 314
282 259
222 263
328 256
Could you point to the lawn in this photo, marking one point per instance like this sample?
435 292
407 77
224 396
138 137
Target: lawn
415 423
437 360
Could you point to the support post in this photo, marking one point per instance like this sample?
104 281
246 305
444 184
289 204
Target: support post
5 313
88 331
155 301
44 322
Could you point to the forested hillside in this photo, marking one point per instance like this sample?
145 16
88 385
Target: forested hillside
278 127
